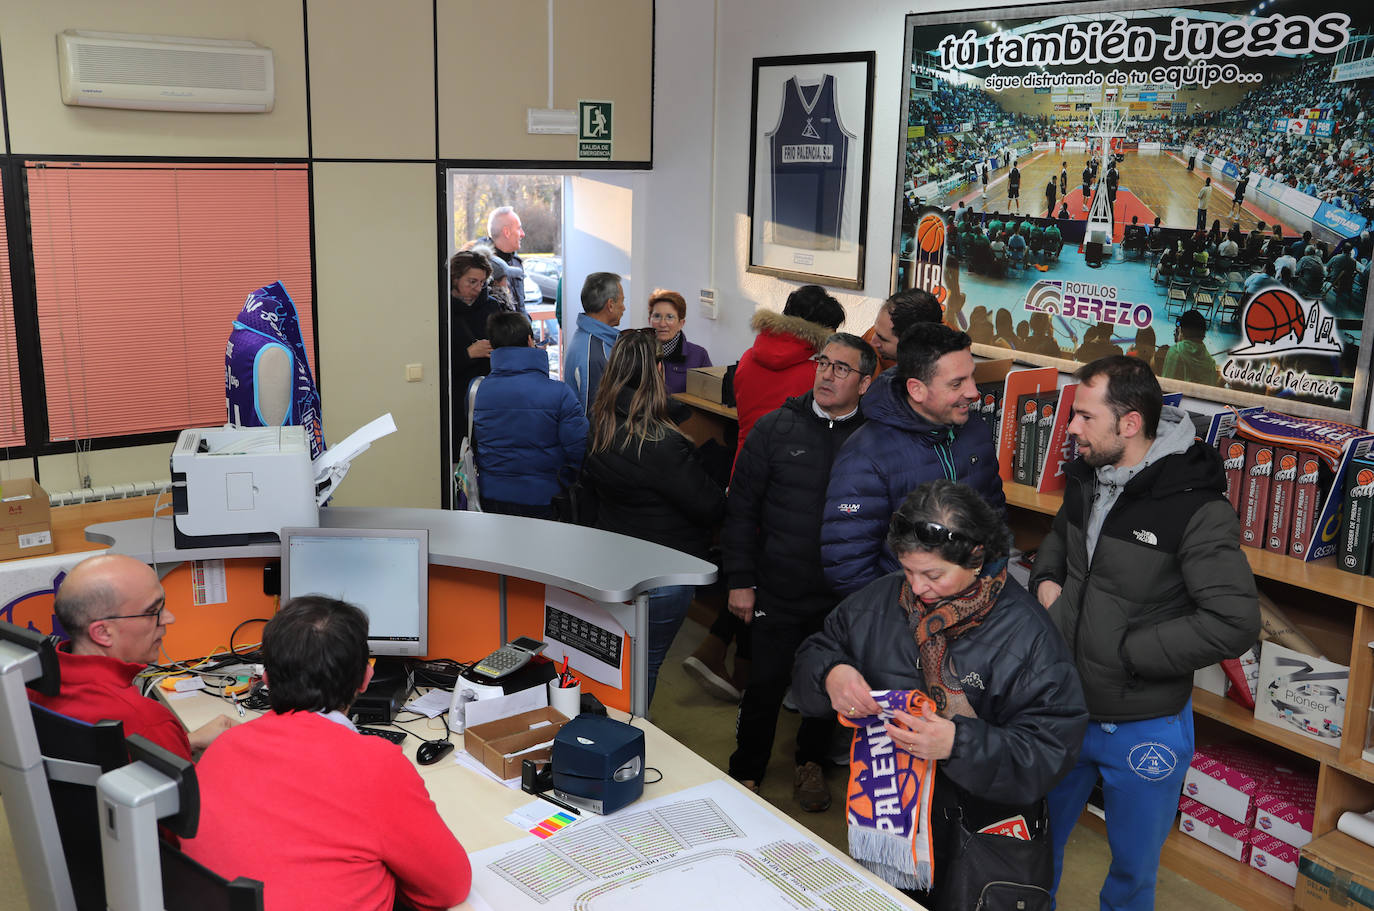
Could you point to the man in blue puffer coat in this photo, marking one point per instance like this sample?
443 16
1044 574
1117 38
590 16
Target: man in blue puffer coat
917 429
529 430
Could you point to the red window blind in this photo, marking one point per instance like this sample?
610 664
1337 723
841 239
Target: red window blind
140 270
11 405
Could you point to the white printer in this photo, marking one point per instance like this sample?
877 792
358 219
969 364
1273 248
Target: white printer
239 485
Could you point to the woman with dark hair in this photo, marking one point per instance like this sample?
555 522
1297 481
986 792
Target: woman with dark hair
667 316
470 306
1006 712
646 477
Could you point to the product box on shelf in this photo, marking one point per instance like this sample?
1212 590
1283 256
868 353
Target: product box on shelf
1210 678
1214 828
1285 805
1302 693
1335 872
1044 430
1225 778
1027 435
1280 521
1233 460
1277 858
1307 502
1357 517
1254 501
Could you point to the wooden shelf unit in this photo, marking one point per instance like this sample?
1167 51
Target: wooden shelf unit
1345 780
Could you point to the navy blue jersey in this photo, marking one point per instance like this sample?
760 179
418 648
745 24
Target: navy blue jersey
809 151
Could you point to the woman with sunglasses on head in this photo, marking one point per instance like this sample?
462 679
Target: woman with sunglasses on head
646 478
1006 712
667 316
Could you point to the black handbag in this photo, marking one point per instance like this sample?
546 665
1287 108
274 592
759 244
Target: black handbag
575 502
985 872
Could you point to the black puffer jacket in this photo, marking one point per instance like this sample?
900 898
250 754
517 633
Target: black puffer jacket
772 533
1015 671
656 492
1168 589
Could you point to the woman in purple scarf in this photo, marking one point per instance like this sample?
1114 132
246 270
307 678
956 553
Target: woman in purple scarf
667 315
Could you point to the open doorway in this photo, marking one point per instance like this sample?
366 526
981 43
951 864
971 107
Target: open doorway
538 201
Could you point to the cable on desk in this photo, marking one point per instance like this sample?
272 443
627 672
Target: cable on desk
649 768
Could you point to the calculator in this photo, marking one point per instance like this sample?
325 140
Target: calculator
509 658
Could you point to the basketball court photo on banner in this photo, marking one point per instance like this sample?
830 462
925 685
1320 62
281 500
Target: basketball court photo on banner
1195 191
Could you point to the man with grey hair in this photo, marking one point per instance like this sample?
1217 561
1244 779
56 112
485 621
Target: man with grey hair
114 611
603 304
504 235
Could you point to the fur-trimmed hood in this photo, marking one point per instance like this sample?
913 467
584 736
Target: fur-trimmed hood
770 322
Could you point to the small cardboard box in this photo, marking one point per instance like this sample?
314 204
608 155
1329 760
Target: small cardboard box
1273 856
1225 778
25 521
1254 500
1284 807
1214 829
1334 872
1302 693
499 745
1210 678
708 383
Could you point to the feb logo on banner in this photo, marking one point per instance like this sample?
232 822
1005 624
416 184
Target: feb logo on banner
928 254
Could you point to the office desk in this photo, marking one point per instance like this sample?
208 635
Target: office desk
475 806
605 567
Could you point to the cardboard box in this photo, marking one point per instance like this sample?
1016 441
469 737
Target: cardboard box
1277 858
497 743
710 383
1044 430
1335 872
1215 829
25 520
1357 517
1210 678
1302 693
1307 502
1281 501
1254 501
1225 777
1284 807
1233 461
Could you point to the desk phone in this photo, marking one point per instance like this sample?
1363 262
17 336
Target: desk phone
509 658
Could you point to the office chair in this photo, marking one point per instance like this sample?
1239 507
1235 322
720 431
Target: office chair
75 755
29 657
143 872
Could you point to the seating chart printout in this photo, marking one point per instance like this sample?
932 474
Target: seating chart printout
705 847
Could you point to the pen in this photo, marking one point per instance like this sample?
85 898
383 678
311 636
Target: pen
239 705
558 803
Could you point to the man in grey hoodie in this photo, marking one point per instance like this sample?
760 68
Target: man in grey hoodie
1143 574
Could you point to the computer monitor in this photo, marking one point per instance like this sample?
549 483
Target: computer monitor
384 571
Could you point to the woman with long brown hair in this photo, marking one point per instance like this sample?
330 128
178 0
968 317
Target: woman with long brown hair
646 476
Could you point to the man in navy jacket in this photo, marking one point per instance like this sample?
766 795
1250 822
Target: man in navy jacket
529 430
917 429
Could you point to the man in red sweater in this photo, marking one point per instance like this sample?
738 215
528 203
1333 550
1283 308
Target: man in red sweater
114 612
323 816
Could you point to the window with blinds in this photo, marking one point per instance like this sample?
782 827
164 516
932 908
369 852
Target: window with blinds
11 403
139 272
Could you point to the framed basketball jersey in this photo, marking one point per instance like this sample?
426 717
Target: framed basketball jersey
810 128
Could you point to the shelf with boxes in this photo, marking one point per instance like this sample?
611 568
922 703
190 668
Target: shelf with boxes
1333 609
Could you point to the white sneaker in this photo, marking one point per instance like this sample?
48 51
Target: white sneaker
709 680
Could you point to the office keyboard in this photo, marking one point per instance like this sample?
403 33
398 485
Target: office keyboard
397 737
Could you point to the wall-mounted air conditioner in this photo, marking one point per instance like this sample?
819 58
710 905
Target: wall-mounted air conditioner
163 73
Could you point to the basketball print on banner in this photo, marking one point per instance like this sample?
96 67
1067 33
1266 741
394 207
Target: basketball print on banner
928 265
1276 321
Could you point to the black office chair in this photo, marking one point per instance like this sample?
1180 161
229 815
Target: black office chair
159 788
75 755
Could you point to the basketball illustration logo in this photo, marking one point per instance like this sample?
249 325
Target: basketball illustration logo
1288 469
1264 462
1309 472
928 268
1364 484
1272 315
1235 456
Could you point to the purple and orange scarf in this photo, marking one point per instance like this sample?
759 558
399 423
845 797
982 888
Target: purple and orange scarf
889 796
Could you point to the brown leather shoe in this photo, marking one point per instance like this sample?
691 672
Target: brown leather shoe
751 785
810 789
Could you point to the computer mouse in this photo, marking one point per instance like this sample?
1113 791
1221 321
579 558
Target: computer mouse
431 751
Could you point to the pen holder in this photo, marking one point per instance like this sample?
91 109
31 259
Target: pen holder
566 700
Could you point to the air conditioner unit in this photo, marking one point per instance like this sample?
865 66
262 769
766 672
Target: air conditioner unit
164 73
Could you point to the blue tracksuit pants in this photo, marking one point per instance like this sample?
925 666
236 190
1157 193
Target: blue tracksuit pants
1142 764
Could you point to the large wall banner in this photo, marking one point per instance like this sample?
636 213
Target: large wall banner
1193 185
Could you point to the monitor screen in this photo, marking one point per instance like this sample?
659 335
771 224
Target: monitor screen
384 571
